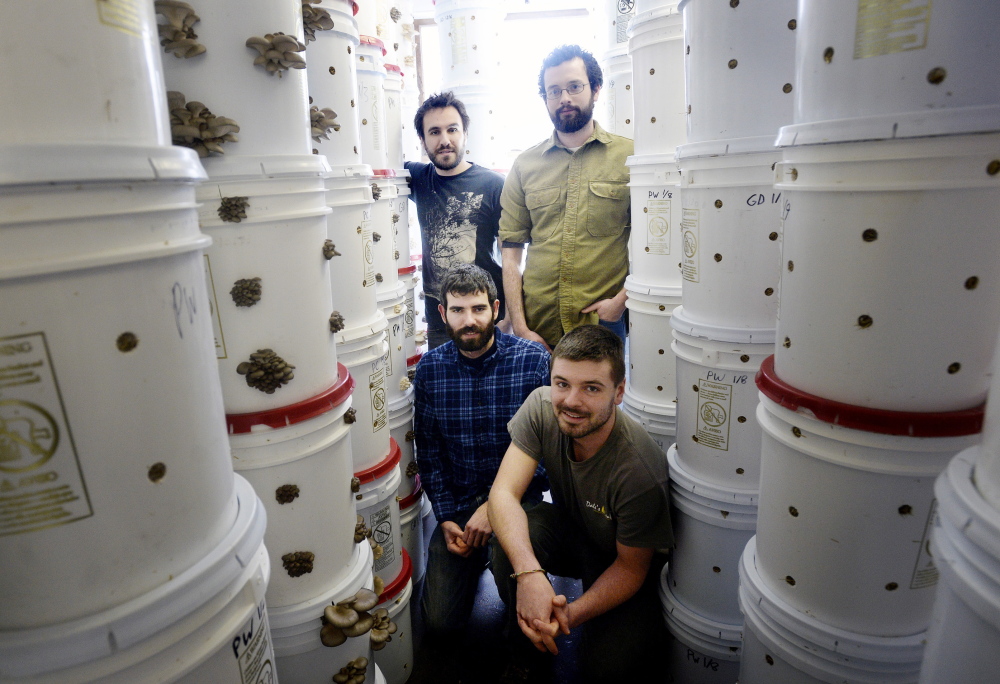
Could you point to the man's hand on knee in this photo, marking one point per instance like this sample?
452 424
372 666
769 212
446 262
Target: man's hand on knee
453 539
477 531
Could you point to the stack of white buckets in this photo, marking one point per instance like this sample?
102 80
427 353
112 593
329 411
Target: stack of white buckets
738 68
882 360
130 551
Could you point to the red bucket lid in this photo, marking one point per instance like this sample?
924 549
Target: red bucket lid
909 423
394 67
242 423
413 497
356 8
371 40
408 270
415 359
384 466
397 585
384 173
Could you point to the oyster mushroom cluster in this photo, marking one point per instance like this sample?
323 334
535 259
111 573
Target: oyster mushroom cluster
278 52
395 218
404 384
376 192
348 618
376 236
353 672
177 35
323 121
286 493
361 531
233 209
266 371
330 250
381 630
314 19
246 291
336 322
351 416
395 14
298 563
411 469
193 125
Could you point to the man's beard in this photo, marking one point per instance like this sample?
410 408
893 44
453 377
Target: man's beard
472 344
592 423
574 123
435 158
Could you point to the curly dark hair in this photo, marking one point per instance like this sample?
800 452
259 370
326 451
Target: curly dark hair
467 279
593 343
564 53
440 101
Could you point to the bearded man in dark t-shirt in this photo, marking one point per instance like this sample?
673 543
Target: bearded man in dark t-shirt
458 205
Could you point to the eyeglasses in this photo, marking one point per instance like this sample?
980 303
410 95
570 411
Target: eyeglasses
555 92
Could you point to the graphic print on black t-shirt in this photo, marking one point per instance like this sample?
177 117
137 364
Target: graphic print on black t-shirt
451 234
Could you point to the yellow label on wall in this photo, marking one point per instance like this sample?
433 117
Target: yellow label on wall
122 15
885 27
690 239
41 483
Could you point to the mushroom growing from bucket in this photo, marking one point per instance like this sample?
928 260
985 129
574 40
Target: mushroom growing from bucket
266 371
314 19
193 125
177 35
278 52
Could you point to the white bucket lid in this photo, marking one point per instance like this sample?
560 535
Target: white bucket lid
724 148
700 633
411 506
401 405
680 322
648 410
639 290
638 162
102 635
827 653
708 494
25 164
656 19
362 336
229 167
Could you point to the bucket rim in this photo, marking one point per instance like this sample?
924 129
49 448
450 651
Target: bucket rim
382 467
378 324
663 159
256 167
397 585
407 270
30 164
903 423
415 359
387 298
374 42
401 403
704 626
962 505
413 497
362 171
693 484
632 285
383 173
683 323
727 147
284 416
668 411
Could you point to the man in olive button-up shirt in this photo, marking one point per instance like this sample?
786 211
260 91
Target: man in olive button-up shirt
568 197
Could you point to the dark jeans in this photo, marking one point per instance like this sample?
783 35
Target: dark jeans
450 584
612 644
617 327
435 338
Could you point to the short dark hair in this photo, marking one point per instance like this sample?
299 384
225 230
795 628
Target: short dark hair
565 53
440 101
467 279
593 343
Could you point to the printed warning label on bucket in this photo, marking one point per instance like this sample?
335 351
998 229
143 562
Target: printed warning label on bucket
626 9
41 484
714 403
368 251
658 226
459 41
924 573
380 523
885 27
123 15
409 323
213 306
689 237
253 651
376 384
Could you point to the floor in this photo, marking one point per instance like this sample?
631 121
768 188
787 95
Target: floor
484 654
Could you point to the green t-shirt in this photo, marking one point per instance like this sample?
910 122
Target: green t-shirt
619 494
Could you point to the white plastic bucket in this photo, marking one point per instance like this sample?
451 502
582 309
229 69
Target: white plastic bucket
397 383
112 419
486 142
395 659
847 329
394 115
429 521
333 82
117 101
718 434
988 456
655 242
617 91
207 624
295 630
384 233
280 242
409 278
349 227
712 524
401 429
739 67
651 369
376 503
659 420
365 353
853 550
656 45
866 71
412 531
730 222
401 219
270 109
371 102
298 459
965 621
702 651
470 56
783 645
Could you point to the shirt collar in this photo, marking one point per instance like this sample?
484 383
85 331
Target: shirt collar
600 135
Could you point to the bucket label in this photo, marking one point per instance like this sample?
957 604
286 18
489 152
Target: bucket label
41 483
380 523
213 309
252 649
924 573
408 323
658 225
714 403
459 41
376 385
368 249
690 236
626 8
121 15
885 27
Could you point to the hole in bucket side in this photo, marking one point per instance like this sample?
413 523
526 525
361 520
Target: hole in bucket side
906 509
769 660
865 321
828 55
286 493
716 568
792 24
157 472
126 342
891 586
793 511
954 368
971 283
741 419
740 471
790 580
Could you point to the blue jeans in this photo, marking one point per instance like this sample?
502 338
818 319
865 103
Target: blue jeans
617 327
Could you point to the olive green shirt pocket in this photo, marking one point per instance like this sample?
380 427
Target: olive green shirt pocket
546 209
608 208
